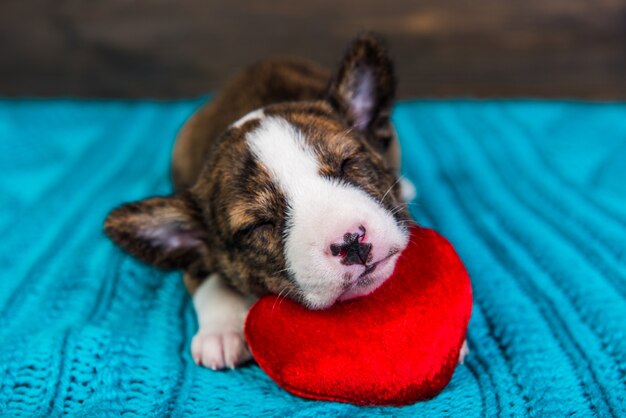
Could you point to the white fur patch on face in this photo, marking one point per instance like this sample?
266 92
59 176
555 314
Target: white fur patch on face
255 114
321 212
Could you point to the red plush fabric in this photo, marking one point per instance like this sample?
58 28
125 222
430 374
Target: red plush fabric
395 346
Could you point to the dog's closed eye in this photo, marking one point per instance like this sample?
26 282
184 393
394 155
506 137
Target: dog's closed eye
345 165
262 227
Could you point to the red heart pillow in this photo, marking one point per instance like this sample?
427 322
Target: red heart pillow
396 346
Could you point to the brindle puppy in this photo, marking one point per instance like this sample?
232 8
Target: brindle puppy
286 183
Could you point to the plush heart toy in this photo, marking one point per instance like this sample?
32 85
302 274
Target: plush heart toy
396 346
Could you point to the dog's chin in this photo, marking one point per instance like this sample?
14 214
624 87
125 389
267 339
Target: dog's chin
368 283
362 286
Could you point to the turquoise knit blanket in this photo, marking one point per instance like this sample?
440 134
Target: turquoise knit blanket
532 194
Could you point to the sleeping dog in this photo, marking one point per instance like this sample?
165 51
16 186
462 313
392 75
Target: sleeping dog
286 183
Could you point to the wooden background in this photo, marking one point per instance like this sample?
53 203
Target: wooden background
169 48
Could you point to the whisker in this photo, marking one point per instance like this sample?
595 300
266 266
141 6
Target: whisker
390 188
398 208
285 296
403 204
281 270
405 222
278 297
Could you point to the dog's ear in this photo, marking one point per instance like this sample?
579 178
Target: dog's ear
166 232
363 88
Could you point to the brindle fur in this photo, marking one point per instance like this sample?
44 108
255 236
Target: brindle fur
230 213
270 81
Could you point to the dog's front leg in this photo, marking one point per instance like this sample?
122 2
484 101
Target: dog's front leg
219 342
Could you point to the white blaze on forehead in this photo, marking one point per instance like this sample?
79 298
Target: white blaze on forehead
321 211
280 147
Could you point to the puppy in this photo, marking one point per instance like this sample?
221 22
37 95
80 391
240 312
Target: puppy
287 183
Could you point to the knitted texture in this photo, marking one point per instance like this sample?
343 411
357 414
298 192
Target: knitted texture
531 194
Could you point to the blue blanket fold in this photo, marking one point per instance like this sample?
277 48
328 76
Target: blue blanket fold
531 193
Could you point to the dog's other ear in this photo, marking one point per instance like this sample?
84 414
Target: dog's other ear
163 231
363 88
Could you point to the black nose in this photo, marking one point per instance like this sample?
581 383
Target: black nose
357 253
352 251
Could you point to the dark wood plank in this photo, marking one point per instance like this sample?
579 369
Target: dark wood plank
159 48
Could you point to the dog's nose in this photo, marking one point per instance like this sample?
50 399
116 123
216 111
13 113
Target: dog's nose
357 253
352 251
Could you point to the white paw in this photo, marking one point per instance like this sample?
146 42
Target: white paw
219 350
464 352
221 310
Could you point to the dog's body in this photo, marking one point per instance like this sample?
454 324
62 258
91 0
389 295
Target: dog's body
267 82
286 183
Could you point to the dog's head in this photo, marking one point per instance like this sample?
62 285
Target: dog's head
295 199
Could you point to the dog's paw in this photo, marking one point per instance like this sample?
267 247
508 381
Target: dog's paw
464 352
407 190
219 350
